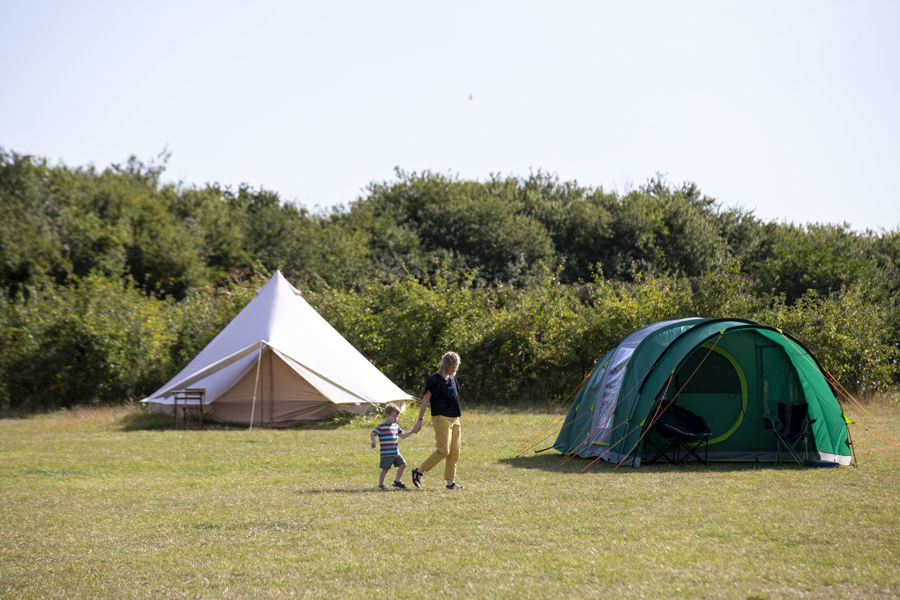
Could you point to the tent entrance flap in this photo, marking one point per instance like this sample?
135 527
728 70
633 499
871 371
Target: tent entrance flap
282 398
711 382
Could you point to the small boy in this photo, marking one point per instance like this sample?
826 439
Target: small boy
388 433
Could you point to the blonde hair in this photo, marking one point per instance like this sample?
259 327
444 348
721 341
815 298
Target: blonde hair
449 362
391 409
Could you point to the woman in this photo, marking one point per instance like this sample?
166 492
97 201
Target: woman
442 394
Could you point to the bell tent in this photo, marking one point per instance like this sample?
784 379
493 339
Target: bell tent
737 378
278 363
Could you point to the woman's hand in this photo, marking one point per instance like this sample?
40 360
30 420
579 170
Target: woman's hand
425 400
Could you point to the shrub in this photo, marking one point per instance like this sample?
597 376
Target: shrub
99 341
845 333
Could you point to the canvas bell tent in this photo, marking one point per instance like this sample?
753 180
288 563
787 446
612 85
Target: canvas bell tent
278 363
737 378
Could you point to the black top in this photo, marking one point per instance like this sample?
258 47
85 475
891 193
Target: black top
444 396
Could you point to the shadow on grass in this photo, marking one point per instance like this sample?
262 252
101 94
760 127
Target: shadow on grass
551 461
349 490
142 419
13 414
251 526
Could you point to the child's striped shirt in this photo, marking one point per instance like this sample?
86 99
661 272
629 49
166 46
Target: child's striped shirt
388 437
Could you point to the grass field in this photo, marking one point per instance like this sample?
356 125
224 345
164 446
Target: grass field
102 504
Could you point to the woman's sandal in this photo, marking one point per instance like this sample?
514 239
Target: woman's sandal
416 477
454 486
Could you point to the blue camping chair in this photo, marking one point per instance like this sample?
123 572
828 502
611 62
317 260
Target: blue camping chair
791 431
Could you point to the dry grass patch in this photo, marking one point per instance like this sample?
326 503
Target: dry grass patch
107 504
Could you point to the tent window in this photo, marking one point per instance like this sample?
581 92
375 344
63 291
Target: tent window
715 375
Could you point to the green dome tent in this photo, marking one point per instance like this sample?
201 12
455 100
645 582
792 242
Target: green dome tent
731 372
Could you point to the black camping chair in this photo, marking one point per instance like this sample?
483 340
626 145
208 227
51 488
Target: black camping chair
681 430
791 430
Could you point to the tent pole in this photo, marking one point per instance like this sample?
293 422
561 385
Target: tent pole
255 387
850 441
271 388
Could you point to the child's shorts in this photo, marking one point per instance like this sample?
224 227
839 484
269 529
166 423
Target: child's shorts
392 460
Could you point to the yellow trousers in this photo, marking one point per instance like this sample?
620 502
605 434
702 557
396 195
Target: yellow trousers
446 438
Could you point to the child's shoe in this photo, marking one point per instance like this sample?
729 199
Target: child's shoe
399 484
381 486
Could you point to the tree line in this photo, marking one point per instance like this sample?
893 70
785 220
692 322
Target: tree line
112 279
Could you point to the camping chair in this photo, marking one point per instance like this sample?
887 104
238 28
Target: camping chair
189 403
681 430
791 430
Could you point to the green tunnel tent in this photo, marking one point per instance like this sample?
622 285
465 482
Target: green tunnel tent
732 372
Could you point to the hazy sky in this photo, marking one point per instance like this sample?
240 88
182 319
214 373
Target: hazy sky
790 109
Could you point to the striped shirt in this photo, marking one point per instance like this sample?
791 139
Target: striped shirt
388 437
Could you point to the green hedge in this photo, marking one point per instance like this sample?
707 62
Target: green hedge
105 341
521 346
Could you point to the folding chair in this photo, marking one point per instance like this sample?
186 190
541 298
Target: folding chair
681 430
791 430
189 402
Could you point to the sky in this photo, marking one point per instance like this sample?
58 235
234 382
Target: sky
786 109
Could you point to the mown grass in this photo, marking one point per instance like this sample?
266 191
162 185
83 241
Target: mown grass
107 503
